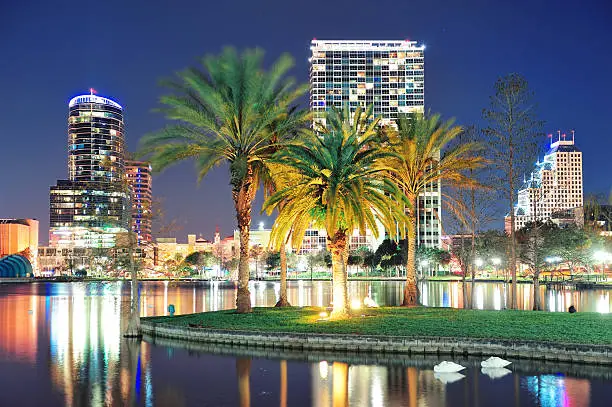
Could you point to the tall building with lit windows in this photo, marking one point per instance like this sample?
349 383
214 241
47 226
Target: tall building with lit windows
388 74
553 188
139 179
93 204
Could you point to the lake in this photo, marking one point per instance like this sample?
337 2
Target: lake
61 344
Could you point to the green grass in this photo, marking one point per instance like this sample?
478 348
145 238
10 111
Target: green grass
579 328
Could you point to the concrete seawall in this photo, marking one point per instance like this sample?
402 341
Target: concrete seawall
388 345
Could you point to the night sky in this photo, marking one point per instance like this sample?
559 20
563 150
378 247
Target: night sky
51 51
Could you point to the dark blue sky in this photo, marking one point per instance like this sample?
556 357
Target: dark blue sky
51 51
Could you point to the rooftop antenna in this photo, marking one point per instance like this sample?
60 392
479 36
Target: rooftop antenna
559 133
564 136
573 136
550 137
92 91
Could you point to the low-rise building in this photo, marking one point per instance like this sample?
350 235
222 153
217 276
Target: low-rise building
19 236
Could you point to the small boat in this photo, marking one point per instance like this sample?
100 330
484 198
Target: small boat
495 372
448 378
494 361
447 367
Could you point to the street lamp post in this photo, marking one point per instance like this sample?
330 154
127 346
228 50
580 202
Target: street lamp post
424 264
496 262
601 257
478 262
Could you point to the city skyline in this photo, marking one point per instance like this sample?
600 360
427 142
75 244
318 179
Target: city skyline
463 63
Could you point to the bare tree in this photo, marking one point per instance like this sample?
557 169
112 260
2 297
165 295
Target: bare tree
512 128
161 224
470 211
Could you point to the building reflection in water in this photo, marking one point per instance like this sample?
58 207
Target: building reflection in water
243 372
19 328
213 296
338 384
558 390
90 363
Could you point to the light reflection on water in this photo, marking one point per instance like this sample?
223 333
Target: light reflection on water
201 297
64 341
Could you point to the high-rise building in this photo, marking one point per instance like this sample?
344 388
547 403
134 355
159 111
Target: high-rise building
89 208
87 214
388 74
139 179
554 185
96 144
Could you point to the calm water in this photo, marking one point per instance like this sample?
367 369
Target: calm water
60 344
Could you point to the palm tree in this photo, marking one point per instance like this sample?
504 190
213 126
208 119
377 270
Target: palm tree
224 111
285 130
417 164
339 183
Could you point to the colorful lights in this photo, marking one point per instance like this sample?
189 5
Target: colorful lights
81 99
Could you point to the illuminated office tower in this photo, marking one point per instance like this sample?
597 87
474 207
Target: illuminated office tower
96 144
388 74
89 208
554 188
139 179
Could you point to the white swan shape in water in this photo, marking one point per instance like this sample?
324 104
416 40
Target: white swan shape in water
494 361
448 378
448 367
495 372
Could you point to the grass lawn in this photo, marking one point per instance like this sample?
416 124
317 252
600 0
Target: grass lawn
582 328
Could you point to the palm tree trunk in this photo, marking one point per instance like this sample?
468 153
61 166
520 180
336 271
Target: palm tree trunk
133 328
282 300
337 246
411 290
464 271
466 300
243 201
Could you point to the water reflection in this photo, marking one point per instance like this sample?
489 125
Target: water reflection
555 390
201 297
65 341
340 384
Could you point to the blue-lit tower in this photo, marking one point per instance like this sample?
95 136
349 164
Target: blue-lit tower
93 204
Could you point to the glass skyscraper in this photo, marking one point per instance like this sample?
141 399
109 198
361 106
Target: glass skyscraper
96 144
388 74
89 208
139 178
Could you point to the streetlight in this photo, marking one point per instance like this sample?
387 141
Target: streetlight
553 260
601 257
424 263
496 262
478 262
